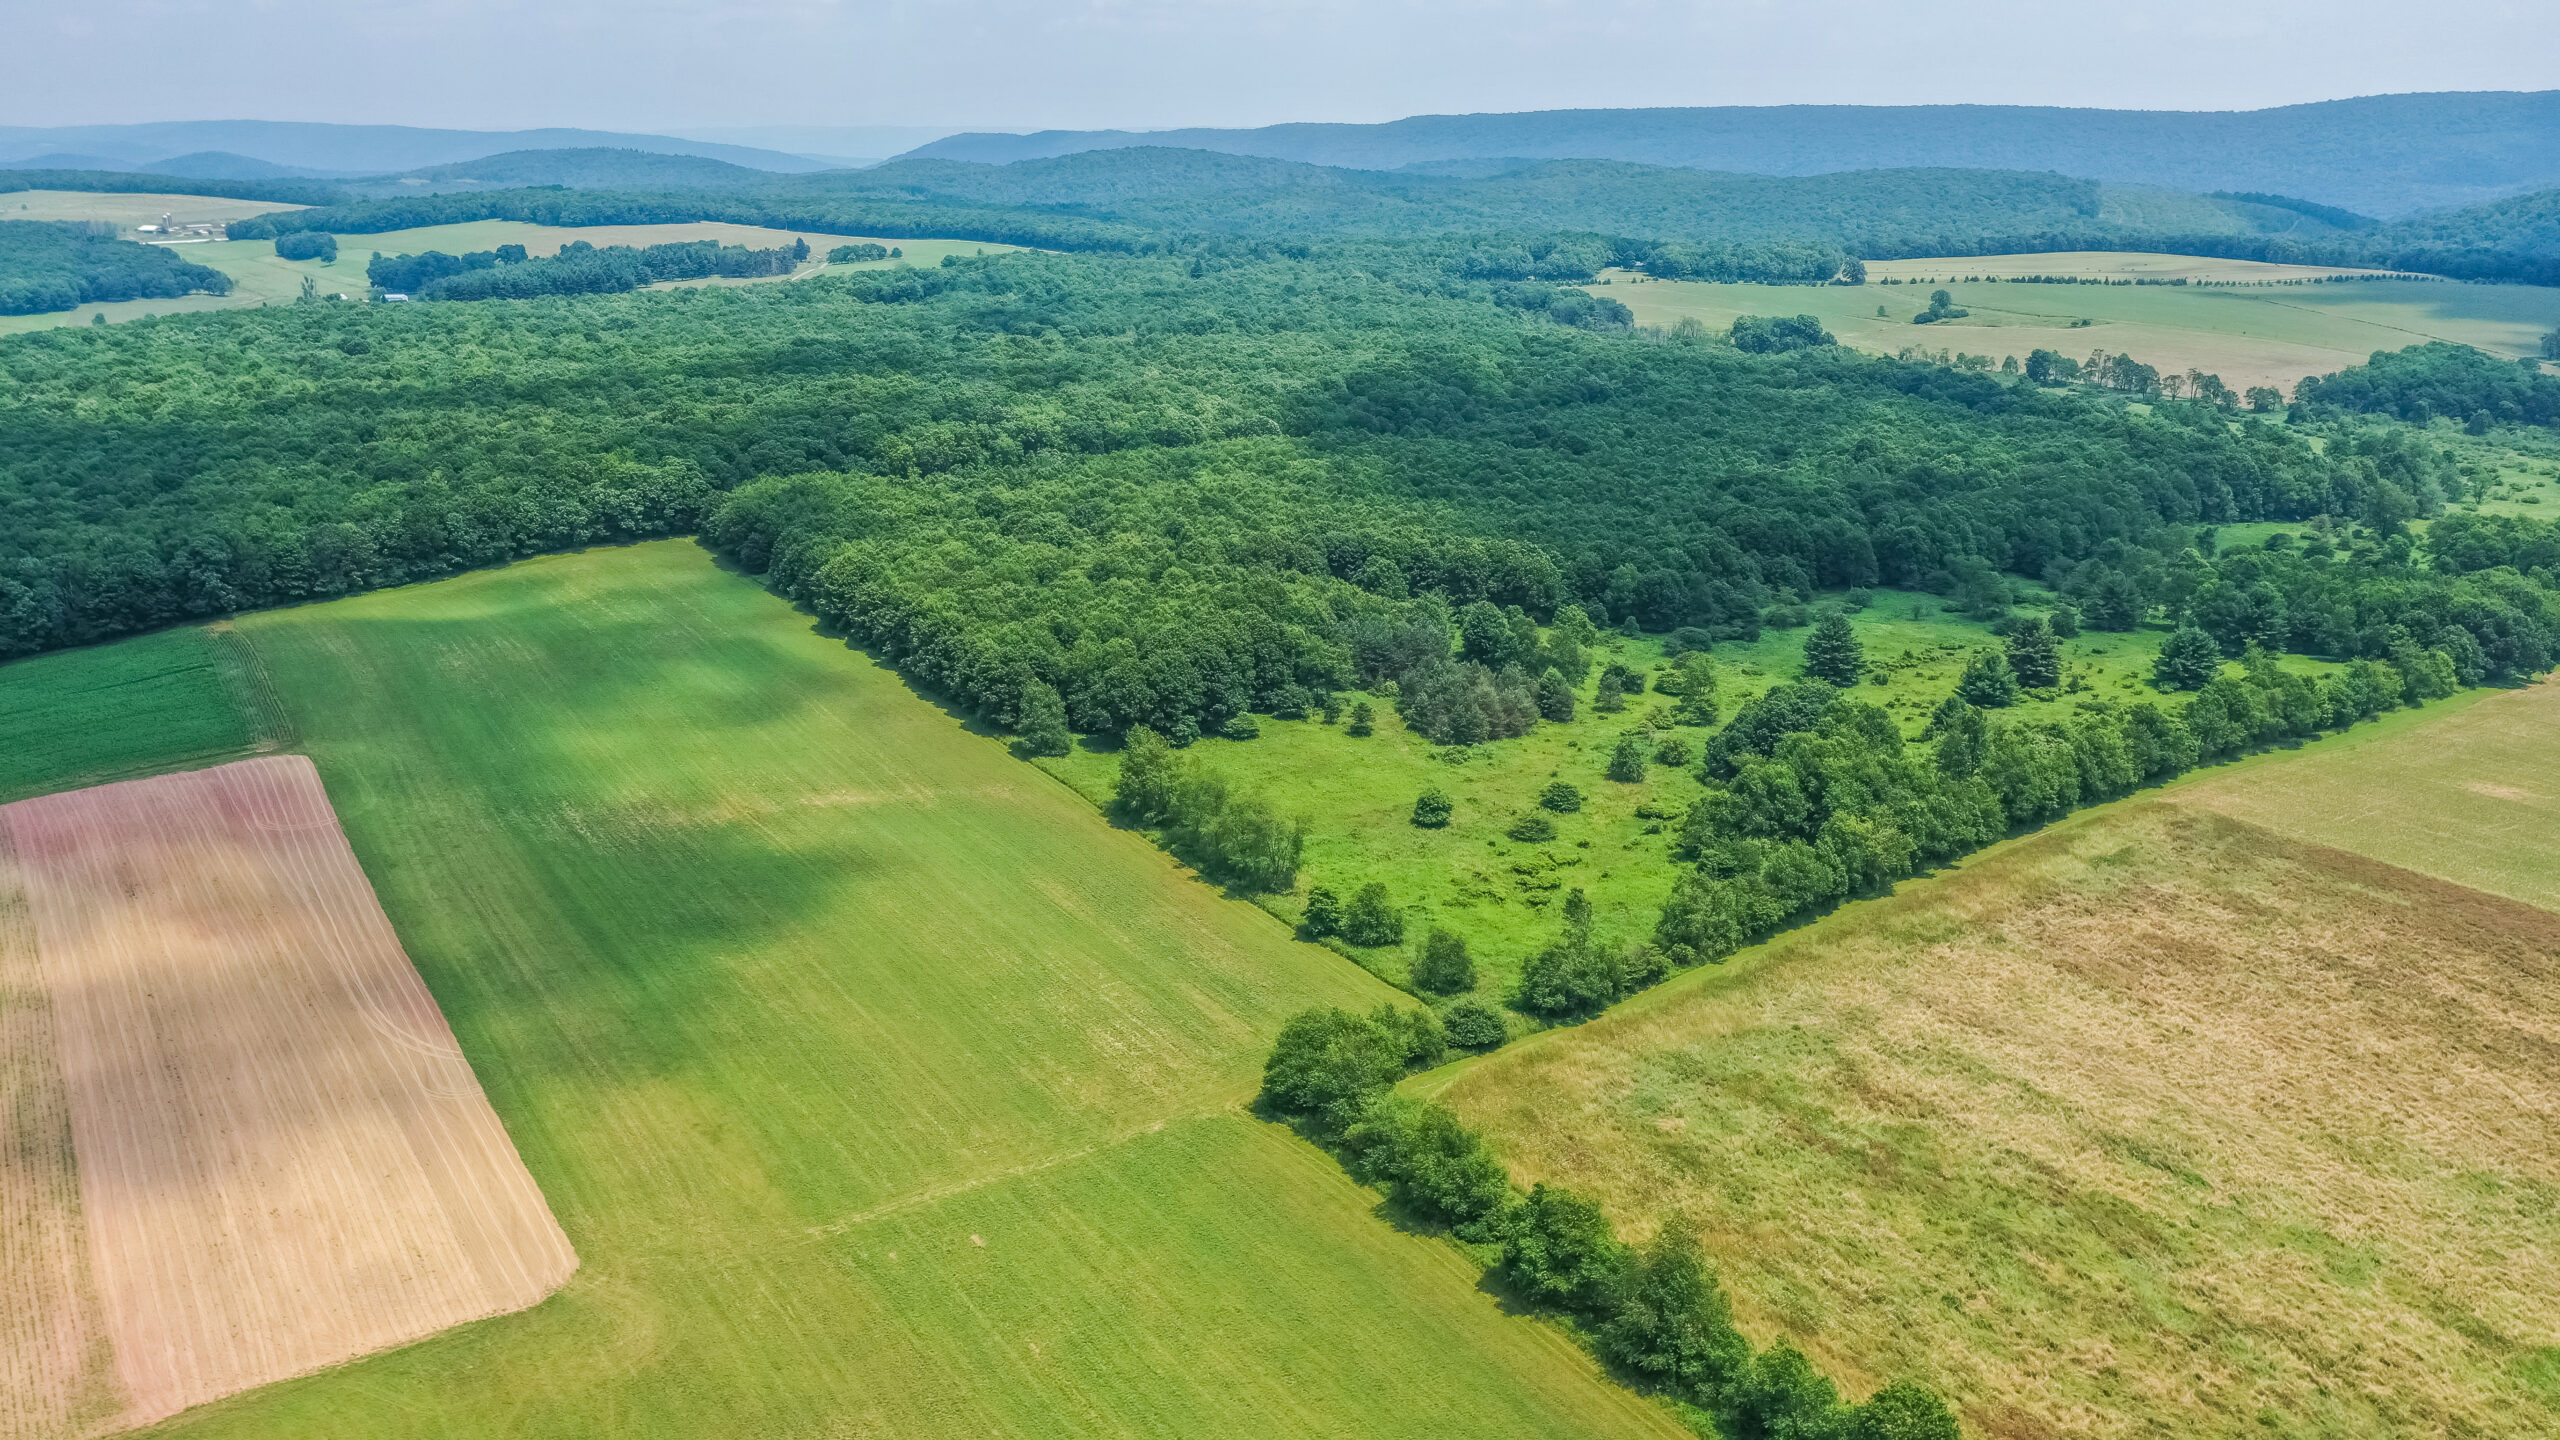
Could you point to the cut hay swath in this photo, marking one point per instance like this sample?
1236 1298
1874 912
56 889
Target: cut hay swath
282 1159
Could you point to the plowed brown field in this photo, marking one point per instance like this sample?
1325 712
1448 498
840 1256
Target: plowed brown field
282 1159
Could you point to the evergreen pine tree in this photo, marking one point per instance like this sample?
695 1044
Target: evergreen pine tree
1832 651
2188 659
1555 697
1626 763
1364 721
2034 656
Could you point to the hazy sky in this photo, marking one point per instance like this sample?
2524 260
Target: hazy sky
1020 64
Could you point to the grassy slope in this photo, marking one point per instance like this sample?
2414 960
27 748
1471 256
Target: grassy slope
2142 1124
1357 795
882 1089
2249 335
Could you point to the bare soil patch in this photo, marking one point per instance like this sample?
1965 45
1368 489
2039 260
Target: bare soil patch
2158 1123
283 1160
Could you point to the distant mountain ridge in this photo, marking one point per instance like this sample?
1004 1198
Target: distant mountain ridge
317 150
2381 155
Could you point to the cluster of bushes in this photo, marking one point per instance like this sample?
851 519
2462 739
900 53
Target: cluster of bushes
48 265
861 251
1656 1315
307 245
1241 839
1777 334
578 269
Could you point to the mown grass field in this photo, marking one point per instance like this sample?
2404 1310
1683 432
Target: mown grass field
2153 1123
260 277
2471 796
880 1086
1505 896
2252 334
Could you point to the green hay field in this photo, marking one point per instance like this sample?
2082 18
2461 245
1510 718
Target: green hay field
2471 796
1505 896
2249 334
174 700
882 1088
2152 1123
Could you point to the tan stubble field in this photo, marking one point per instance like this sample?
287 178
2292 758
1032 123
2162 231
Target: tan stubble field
237 1139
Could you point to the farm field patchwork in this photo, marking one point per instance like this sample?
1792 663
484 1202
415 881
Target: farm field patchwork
879 1086
2251 334
260 277
282 1159
2155 1122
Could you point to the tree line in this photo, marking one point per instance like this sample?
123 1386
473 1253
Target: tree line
1655 1314
579 268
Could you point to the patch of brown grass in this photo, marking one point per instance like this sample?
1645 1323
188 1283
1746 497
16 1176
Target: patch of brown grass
2157 1123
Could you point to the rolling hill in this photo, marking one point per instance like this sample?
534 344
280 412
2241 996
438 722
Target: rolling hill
2382 154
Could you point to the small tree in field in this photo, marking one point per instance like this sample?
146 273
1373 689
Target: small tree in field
1988 681
1044 721
1371 919
1364 721
1626 763
1431 808
1444 967
2188 658
1148 768
1832 651
1324 913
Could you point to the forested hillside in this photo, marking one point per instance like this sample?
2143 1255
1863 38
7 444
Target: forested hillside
1677 221
55 266
2380 154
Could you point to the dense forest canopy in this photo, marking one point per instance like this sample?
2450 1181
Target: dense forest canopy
56 265
1166 488
2425 381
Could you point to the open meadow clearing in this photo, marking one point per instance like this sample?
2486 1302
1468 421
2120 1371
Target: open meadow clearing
879 1086
2155 1122
282 1159
1504 895
2250 333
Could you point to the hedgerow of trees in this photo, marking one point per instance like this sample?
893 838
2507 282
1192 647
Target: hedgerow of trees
1656 1314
